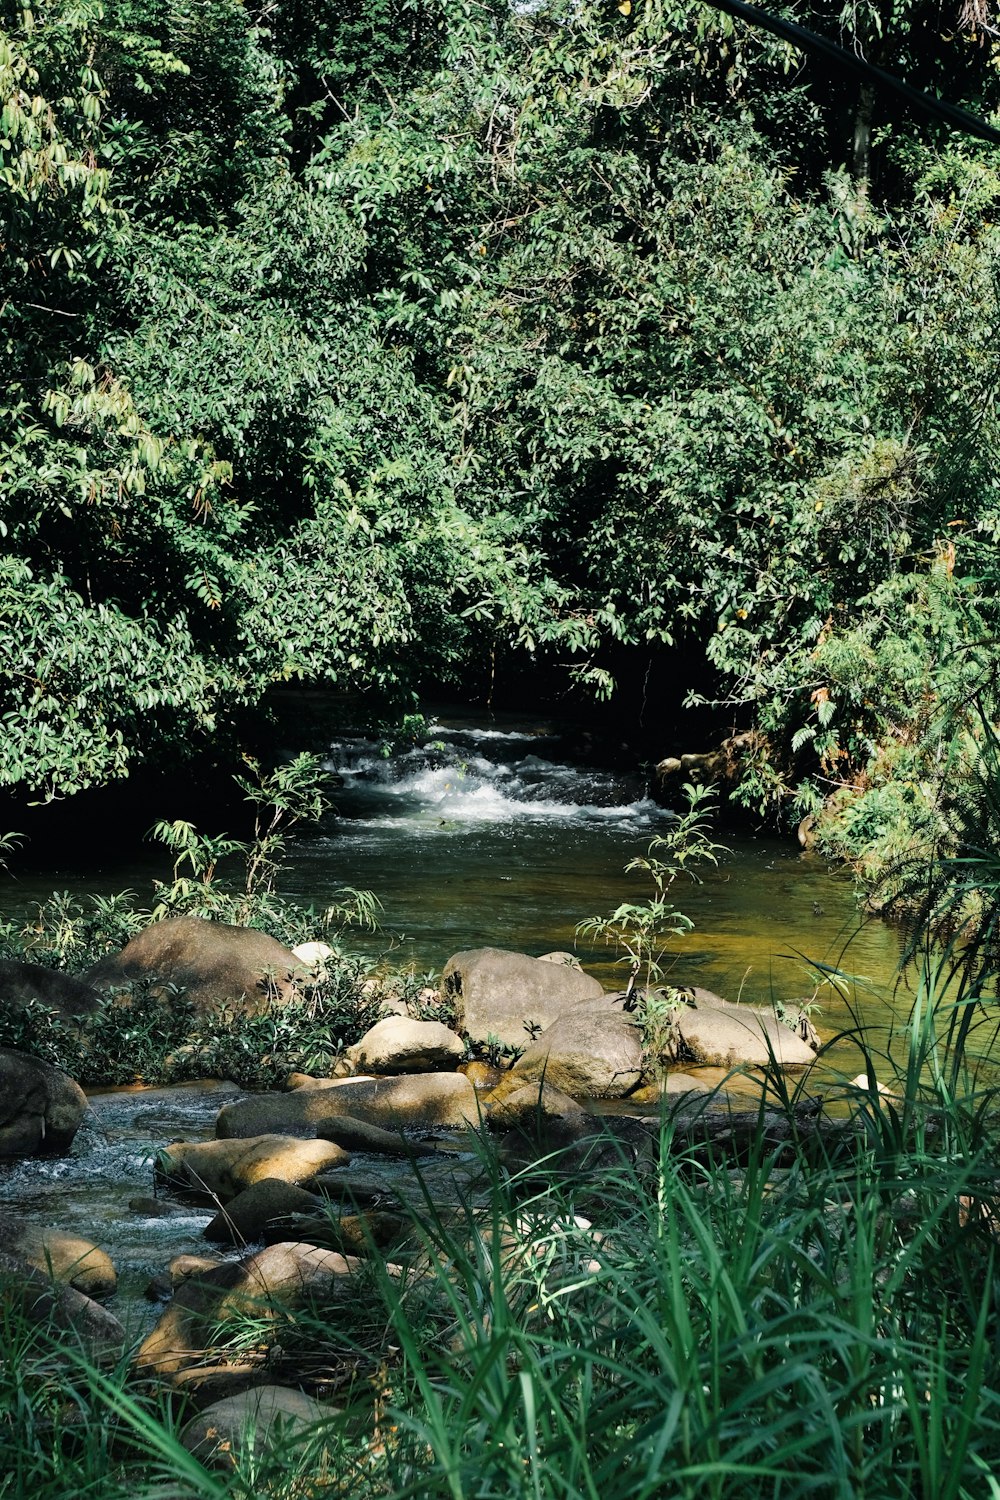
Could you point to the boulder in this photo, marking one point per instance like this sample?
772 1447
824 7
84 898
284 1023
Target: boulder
716 1033
219 1170
511 996
40 1108
65 1257
43 1301
283 1275
313 956
214 964
353 1234
418 1101
252 1421
592 1051
261 1212
399 1045
560 956
540 1121
22 983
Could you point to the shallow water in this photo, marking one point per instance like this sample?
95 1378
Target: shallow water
489 835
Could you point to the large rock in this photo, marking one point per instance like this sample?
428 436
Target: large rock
214 964
65 1257
419 1101
283 1275
262 1212
21 983
511 996
253 1421
539 1122
399 1045
715 1033
42 1301
220 1170
40 1108
592 1051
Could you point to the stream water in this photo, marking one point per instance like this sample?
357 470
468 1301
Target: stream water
480 835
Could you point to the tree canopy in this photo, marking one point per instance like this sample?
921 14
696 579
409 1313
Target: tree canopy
364 345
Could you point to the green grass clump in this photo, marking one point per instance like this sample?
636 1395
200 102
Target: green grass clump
819 1321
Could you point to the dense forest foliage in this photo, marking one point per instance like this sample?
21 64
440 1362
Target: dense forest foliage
365 345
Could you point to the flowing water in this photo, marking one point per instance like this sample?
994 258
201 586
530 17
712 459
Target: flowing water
492 835
481 835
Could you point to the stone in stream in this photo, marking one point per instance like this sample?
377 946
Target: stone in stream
40 1108
418 1101
511 996
65 1257
399 1045
225 1433
593 1051
21 983
214 964
283 1275
219 1170
715 1033
262 1212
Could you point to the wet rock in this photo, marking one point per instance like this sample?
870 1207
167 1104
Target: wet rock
65 1257
40 1108
283 1275
715 1033
592 1051
219 1170
261 1212
251 1421
482 1075
420 1101
509 995
214 964
22 983
159 1288
356 1135
399 1045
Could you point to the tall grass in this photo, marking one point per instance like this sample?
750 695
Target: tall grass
820 1321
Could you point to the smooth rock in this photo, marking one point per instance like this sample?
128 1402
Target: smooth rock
42 1301
284 1274
65 1257
215 965
252 1421
592 1051
40 1108
418 1101
219 1170
568 960
399 1045
21 983
509 995
715 1033
262 1212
